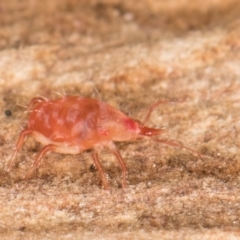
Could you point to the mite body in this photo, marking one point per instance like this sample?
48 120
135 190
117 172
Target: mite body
73 124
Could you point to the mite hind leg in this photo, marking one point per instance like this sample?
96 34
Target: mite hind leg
39 158
51 148
19 144
34 101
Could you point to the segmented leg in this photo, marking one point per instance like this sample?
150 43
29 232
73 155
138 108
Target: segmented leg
35 101
100 169
154 105
19 144
39 157
179 145
116 152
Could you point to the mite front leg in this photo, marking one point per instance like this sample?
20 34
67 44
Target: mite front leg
116 152
179 145
100 169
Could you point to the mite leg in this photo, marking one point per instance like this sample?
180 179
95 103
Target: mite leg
35 101
100 170
19 144
154 105
179 145
39 157
116 152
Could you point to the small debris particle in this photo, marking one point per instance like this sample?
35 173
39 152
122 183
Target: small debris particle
8 113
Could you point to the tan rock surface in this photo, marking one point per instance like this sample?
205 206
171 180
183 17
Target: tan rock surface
130 54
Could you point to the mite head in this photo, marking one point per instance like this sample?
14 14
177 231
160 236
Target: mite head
149 132
132 129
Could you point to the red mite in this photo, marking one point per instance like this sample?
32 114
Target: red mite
73 124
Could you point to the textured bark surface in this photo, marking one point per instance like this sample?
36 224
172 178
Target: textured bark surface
128 54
